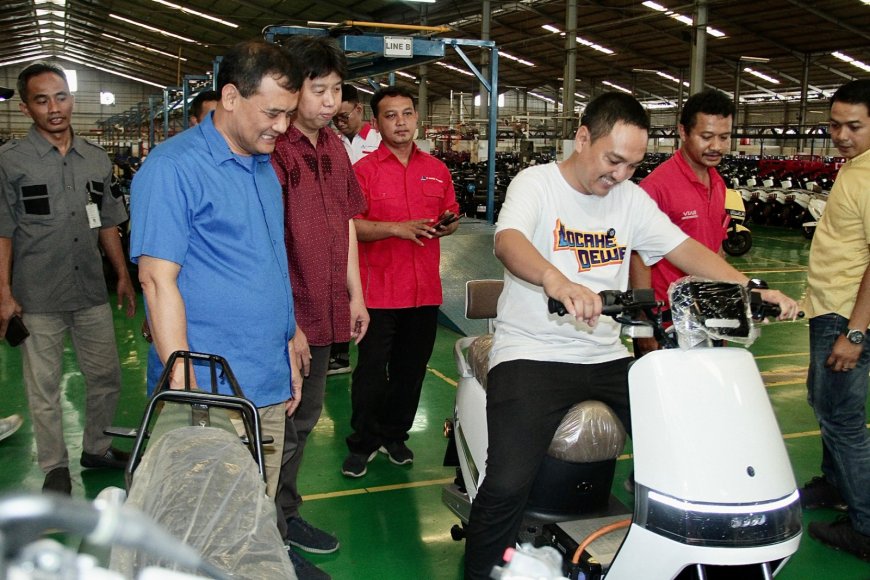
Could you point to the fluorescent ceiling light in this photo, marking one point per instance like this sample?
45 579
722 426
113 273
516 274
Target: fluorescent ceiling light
111 72
655 6
455 69
542 97
580 40
515 59
672 78
854 62
365 90
616 86
40 56
687 20
761 75
593 45
143 47
152 28
406 75
195 13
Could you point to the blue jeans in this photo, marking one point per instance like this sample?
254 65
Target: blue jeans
839 400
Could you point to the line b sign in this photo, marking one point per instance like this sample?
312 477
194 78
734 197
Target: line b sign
399 46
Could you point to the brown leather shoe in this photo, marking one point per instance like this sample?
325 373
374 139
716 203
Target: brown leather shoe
58 481
111 459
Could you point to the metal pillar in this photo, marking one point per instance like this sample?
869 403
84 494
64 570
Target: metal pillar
802 117
485 23
422 101
570 75
734 140
699 47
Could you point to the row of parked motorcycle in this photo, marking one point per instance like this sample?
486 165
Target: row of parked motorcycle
785 192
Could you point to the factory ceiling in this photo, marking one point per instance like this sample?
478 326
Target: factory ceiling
643 47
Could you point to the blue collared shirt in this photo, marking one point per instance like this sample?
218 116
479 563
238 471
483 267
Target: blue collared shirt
219 216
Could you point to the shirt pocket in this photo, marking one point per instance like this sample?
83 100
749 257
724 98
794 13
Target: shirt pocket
96 188
35 201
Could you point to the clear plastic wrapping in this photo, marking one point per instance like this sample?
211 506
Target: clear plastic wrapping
703 310
202 485
589 432
478 358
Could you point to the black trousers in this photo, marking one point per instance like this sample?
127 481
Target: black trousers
389 373
525 402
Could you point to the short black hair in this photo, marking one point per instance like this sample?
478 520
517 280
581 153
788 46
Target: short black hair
349 94
708 102
319 56
200 98
855 92
392 91
248 62
608 109
36 69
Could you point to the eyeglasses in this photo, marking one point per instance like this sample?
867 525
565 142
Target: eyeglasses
341 118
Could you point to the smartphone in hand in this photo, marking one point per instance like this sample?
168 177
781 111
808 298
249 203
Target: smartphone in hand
16 332
445 219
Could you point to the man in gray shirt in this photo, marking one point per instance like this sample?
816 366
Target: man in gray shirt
56 210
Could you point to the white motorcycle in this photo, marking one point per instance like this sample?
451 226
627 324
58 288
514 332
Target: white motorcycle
816 208
715 496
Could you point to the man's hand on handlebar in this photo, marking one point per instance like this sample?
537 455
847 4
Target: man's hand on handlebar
580 302
788 308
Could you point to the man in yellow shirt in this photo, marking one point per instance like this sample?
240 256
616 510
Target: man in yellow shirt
838 304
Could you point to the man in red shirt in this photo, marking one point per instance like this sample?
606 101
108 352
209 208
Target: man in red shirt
688 188
408 193
321 197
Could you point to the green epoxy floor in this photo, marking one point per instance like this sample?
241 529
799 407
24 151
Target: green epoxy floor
391 522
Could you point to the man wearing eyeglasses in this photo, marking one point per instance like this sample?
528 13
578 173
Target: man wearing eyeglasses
358 136
321 196
208 236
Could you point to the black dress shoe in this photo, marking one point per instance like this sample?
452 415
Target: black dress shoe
58 481
111 459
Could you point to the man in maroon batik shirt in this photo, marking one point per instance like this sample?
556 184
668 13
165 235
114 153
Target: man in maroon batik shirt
321 197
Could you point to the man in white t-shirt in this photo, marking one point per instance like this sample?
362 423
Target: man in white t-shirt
566 231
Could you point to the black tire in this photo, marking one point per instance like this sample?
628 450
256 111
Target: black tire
737 243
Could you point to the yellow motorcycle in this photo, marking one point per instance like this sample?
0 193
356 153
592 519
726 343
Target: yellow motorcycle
739 239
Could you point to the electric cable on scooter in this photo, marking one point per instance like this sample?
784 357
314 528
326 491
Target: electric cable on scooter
602 531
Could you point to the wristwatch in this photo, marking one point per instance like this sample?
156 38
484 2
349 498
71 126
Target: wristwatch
855 336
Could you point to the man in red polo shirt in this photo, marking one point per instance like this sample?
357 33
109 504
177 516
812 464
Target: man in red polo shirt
408 193
688 188
321 197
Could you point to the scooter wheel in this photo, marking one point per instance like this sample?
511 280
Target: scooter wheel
457 532
737 243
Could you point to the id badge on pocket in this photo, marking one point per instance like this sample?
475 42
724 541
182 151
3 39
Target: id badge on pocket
93 215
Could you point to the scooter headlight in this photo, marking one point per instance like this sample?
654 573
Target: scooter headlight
718 525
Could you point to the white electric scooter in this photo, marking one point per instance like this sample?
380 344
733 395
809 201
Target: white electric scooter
715 496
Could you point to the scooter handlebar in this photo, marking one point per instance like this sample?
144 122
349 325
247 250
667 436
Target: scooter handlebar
614 302
761 309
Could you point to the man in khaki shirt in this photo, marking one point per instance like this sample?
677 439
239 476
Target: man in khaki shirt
838 305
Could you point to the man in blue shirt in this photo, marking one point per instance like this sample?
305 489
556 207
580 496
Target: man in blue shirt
208 235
